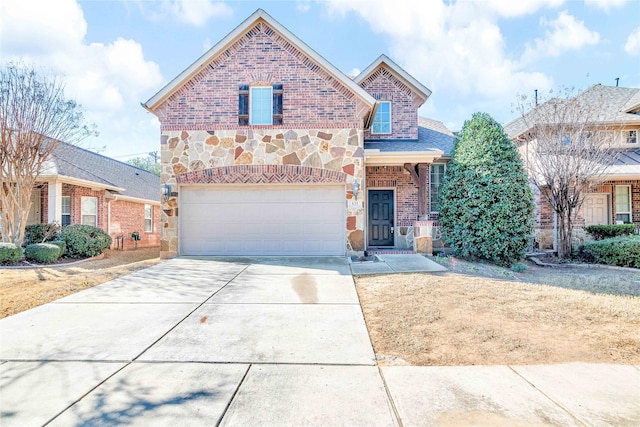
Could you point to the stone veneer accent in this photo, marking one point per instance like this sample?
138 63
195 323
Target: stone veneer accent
262 156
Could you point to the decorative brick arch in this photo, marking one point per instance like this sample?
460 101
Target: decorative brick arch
263 174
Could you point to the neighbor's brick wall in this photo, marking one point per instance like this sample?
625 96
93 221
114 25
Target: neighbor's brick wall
127 217
311 98
383 86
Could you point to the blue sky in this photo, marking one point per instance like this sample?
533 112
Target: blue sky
473 55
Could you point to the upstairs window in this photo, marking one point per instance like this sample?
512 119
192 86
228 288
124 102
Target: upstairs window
435 184
382 120
632 137
260 105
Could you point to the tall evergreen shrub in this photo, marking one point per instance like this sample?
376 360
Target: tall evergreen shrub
486 204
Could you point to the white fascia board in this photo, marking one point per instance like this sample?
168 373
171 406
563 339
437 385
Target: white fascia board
231 38
117 197
374 157
407 79
79 182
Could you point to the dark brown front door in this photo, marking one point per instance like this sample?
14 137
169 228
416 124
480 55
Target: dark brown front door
380 217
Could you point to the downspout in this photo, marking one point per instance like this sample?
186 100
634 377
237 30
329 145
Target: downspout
555 231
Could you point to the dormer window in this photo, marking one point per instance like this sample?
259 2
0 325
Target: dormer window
382 120
260 105
632 137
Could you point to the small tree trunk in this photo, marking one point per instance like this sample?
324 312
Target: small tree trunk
565 236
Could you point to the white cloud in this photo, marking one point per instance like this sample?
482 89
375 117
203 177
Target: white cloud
606 4
196 12
108 79
303 6
514 8
563 34
454 47
632 47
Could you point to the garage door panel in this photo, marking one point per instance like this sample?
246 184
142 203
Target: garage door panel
305 220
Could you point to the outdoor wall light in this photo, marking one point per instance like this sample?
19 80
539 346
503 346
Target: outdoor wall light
355 189
166 192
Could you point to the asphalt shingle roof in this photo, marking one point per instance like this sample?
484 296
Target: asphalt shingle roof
75 162
611 103
432 134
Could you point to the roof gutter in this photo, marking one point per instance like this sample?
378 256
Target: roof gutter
375 157
79 182
119 197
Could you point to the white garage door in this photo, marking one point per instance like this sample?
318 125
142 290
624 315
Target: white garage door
262 220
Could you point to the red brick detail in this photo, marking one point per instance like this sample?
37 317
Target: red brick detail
351 223
384 86
312 98
349 169
262 174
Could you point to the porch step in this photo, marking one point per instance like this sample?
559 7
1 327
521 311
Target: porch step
390 251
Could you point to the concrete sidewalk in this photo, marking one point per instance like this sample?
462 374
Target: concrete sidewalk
396 263
264 341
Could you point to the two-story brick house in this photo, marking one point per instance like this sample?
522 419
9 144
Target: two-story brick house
268 149
615 198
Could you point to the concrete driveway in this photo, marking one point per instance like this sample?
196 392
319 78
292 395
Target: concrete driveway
277 341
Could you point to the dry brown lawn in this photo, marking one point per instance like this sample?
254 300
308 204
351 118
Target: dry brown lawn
25 288
541 315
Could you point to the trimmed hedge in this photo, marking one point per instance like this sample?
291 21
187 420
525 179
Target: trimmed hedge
61 244
606 231
9 253
620 251
42 252
84 241
40 233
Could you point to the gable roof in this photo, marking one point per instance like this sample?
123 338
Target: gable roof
612 103
383 60
69 162
239 31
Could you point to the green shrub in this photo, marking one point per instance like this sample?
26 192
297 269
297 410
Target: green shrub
621 251
40 233
9 253
486 204
606 231
84 241
42 252
61 244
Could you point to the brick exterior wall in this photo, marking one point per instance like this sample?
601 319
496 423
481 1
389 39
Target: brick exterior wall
127 217
544 220
321 134
312 99
384 86
406 193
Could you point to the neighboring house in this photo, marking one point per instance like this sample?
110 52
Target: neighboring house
617 198
78 186
268 149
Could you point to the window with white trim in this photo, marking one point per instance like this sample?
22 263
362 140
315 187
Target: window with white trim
148 218
260 105
382 120
623 203
89 207
436 175
632 137
66 211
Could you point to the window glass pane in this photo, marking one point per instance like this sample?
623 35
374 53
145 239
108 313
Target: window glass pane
632 136
435 182
148 214
89 206
261 109
66 205
66 220
147 211
89 220
382 120
623 202
148 225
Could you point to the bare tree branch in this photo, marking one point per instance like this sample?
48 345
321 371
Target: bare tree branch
34 116
566 150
